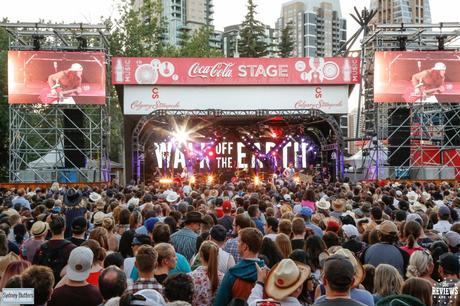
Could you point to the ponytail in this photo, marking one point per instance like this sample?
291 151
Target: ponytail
210 253
410 241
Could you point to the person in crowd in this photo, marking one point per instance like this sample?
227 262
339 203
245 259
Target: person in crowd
176 281
387 281
184 240
218 235
39 231
112 283
419 288
99 254
76 290
20 199
284 244
443 225
270 253
412 232
385 251
142 297
421 265
241 221
146 262
449 268
55 252
452 239
271 228
207 277
227 219
166 261
14 268
112 238
74 207
240 279
298 231
40 278
79 227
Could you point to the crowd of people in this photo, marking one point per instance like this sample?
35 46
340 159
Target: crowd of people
275 243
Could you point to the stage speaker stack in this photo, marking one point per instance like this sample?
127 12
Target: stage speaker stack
451 130
399 138
74 139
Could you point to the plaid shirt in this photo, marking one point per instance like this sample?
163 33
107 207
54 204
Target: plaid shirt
145 283
232 247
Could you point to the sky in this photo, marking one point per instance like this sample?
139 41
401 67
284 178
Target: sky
227 12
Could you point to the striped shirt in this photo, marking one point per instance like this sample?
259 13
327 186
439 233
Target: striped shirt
231 246
145 283
184 242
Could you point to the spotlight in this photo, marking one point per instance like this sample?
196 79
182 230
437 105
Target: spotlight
192 179
166 180
181 136
256 180
211 154
296 179
274 135
274 153
210 179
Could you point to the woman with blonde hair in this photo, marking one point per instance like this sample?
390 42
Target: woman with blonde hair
101 235
206 278
387 281
421 265
14 268
284 244
167 260
113 239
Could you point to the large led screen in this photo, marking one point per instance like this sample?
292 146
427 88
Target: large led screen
43 77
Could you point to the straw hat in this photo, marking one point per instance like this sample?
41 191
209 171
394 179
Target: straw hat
339 205
412 196
284 278
359 270
323 204
416 206
94 197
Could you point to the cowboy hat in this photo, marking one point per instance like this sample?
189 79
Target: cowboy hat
284 278
412 196
94 197
213 193
359 270
339 205
416 206
72 197
172 197
193 217
323 204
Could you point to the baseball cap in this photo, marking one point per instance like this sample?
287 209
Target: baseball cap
306 212
76 67
150 223
218 233
339 270
449 262
39 227
414 217
287 197
79 223
443 210
350 230
451 238
79 265
387 228
148 297
439 66
140 239
227 206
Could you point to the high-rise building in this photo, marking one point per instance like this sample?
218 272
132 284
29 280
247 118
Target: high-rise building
401 11
184 16
231 36
318 28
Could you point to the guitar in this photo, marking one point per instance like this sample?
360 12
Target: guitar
410 96
47 97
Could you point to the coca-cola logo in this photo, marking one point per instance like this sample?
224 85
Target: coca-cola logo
218 70
146 107
319 104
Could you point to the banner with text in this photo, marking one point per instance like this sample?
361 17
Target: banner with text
49 77
417 77
235 71
142 100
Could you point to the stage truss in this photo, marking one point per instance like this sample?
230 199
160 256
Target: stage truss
328 136
431 125
37 132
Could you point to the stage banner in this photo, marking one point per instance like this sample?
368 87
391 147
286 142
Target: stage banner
417 77
142 100
43 77
235 71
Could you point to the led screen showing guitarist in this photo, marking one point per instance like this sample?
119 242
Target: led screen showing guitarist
427 83
63 85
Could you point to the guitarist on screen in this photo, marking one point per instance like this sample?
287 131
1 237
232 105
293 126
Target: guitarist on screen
429 82
64 84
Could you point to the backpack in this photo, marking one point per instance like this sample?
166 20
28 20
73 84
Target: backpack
53 258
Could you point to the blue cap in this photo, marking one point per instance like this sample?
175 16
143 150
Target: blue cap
306 212
150 223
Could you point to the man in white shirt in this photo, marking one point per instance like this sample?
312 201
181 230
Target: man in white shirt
218 234
443 225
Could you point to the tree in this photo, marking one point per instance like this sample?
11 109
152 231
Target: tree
198 45
252 42
286 44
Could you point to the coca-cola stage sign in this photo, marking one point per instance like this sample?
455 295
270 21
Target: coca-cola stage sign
142 100
235 71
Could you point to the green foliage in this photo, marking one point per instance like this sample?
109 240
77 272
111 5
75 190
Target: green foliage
286 44
252 42
198 45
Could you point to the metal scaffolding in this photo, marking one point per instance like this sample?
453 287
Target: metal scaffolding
38 134
433 129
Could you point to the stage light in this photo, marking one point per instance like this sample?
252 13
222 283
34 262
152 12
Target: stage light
181 136
211 154
274 135
166 180
192 179
256 180
310 149
210 179
296 179
274 153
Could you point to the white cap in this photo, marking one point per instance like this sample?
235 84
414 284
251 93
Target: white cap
79 265
76 67
439 66
151 296
350 230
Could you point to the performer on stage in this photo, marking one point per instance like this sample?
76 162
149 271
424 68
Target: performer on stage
428 83
63 84
289 172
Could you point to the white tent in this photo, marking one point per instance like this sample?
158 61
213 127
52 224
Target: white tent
52 159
